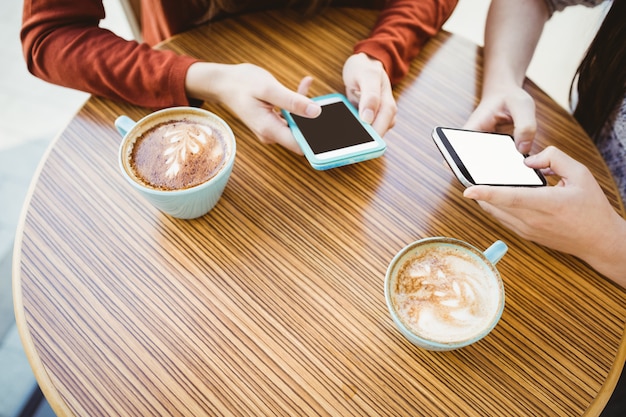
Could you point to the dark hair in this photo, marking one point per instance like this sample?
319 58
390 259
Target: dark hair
602 73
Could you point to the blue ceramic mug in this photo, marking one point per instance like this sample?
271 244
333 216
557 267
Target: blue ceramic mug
185 202
443 293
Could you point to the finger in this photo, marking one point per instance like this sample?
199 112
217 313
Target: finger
510 219
305 84
528 198
353 95
369 103
520 107
524 131
386 117
383 124
482 119
489 119
284 137
556 161
280 96
276 131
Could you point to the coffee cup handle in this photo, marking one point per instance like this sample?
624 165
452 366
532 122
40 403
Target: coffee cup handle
496 251
124 124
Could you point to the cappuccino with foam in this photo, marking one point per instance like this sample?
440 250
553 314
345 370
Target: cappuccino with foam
178 154
179 159
444 292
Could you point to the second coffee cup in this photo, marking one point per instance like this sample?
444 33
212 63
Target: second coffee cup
180 159
443 293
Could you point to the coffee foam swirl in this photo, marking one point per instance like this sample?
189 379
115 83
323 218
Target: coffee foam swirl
178 154
187 138
445 295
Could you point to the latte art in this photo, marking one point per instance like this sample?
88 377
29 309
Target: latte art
445 295
178 154
185 139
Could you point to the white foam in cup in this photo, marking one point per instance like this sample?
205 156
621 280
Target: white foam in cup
443 293
180 159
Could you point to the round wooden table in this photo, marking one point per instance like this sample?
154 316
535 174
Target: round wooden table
273 303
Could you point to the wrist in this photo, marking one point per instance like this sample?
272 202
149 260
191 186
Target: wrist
609 257
203 81
499 77
500 87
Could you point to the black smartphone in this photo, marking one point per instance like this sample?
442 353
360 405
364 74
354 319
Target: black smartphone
485 158
337 136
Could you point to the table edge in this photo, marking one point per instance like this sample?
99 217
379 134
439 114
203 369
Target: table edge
52 395
607 389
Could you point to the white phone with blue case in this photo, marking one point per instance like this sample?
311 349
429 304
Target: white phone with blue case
337 136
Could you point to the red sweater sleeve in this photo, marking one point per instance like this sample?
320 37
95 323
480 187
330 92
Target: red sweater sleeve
402 29
63 45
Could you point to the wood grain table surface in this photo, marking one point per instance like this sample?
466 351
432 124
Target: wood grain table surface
273 303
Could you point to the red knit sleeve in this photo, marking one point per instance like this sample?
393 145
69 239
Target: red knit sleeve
402 29
63 45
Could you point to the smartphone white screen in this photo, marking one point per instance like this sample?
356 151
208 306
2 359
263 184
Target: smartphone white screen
491 158
335 128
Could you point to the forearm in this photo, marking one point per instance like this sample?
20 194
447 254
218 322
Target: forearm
64 45
512 31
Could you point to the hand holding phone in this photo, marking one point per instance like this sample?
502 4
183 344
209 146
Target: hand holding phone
337 136
485 158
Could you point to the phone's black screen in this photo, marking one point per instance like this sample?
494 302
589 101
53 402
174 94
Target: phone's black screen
335 128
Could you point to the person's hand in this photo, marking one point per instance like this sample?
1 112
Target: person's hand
573 216
255 96
368 88
500 111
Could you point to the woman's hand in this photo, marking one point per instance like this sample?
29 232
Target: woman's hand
573 216
255 96
368 88
511 111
